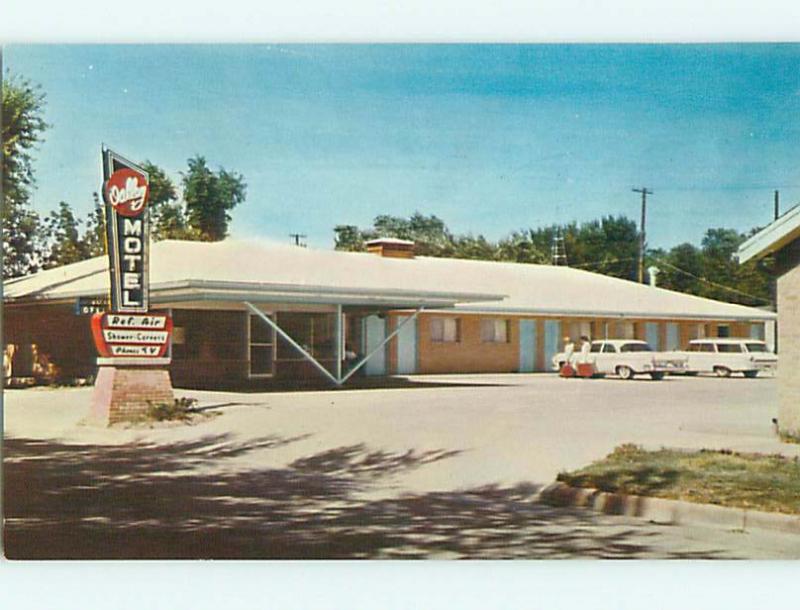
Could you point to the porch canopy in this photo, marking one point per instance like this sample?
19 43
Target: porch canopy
255 276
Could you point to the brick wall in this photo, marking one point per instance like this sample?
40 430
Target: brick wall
470 354
126 393
789 346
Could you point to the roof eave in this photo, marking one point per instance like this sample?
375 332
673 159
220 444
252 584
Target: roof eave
772 237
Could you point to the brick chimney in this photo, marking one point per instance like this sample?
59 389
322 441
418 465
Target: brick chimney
391 247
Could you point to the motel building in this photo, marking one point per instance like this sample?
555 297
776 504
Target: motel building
251 314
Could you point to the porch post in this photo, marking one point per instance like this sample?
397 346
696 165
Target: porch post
339 342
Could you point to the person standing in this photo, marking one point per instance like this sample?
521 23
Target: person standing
586 348
569 351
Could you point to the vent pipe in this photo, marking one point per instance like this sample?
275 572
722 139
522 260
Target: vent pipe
652 272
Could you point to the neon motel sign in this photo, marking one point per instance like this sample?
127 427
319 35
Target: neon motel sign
129 329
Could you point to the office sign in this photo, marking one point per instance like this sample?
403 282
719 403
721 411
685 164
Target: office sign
125 190
140 336
85 306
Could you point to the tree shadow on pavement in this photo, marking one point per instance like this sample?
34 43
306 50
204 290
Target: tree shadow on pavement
153 501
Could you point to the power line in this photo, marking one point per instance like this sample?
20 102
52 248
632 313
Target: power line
678 269
715 284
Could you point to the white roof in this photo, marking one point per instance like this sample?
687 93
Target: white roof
251 270
773 237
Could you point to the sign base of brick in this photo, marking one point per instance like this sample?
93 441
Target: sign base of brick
125 393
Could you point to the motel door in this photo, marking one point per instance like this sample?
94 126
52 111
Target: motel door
374 333
527 346
651 335
673 336
407 347
552 342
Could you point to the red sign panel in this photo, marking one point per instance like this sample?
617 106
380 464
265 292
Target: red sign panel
131 335
126 190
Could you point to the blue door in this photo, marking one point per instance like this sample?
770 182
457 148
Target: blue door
673 336
407 347
552 339
651 335
527 346
374 333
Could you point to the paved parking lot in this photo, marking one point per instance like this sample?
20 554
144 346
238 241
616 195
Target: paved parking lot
446 468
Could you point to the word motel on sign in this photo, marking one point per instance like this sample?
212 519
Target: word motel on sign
132 262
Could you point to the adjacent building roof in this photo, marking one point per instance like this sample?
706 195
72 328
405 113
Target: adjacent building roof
257 270
773 237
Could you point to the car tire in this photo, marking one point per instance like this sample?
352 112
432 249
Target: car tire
751 374
625 372
722 371
657 375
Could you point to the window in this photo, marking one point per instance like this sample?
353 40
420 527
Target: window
697 331
625 330
729 348
608 348
445 330
494 331
723 330
707 347
261 347
596 347
635 347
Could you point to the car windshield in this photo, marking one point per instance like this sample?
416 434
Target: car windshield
635 347
756 347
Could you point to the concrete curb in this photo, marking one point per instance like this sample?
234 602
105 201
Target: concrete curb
675 512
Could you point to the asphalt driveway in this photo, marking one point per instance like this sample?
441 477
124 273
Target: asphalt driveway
442 471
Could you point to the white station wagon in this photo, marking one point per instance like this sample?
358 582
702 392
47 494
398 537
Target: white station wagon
726 356
628 357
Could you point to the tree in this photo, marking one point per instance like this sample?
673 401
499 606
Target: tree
65 243
209 197
22 128
168 217
95 236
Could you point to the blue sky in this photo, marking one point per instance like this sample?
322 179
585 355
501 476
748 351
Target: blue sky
491 138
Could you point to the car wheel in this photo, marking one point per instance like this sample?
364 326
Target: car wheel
750 374
657 375
722 371
625 372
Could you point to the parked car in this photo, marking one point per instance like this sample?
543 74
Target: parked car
628 357
726 356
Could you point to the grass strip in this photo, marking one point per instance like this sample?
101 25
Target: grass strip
726 478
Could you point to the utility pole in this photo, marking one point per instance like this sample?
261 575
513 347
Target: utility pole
645 192
297 237
777 204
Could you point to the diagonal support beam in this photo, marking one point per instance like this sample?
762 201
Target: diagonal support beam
382 344
293 343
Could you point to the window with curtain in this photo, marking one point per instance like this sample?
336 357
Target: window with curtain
494 331
445 330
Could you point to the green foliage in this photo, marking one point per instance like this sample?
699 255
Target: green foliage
22 128
63 231
182 409
728 478
712 270
209 197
